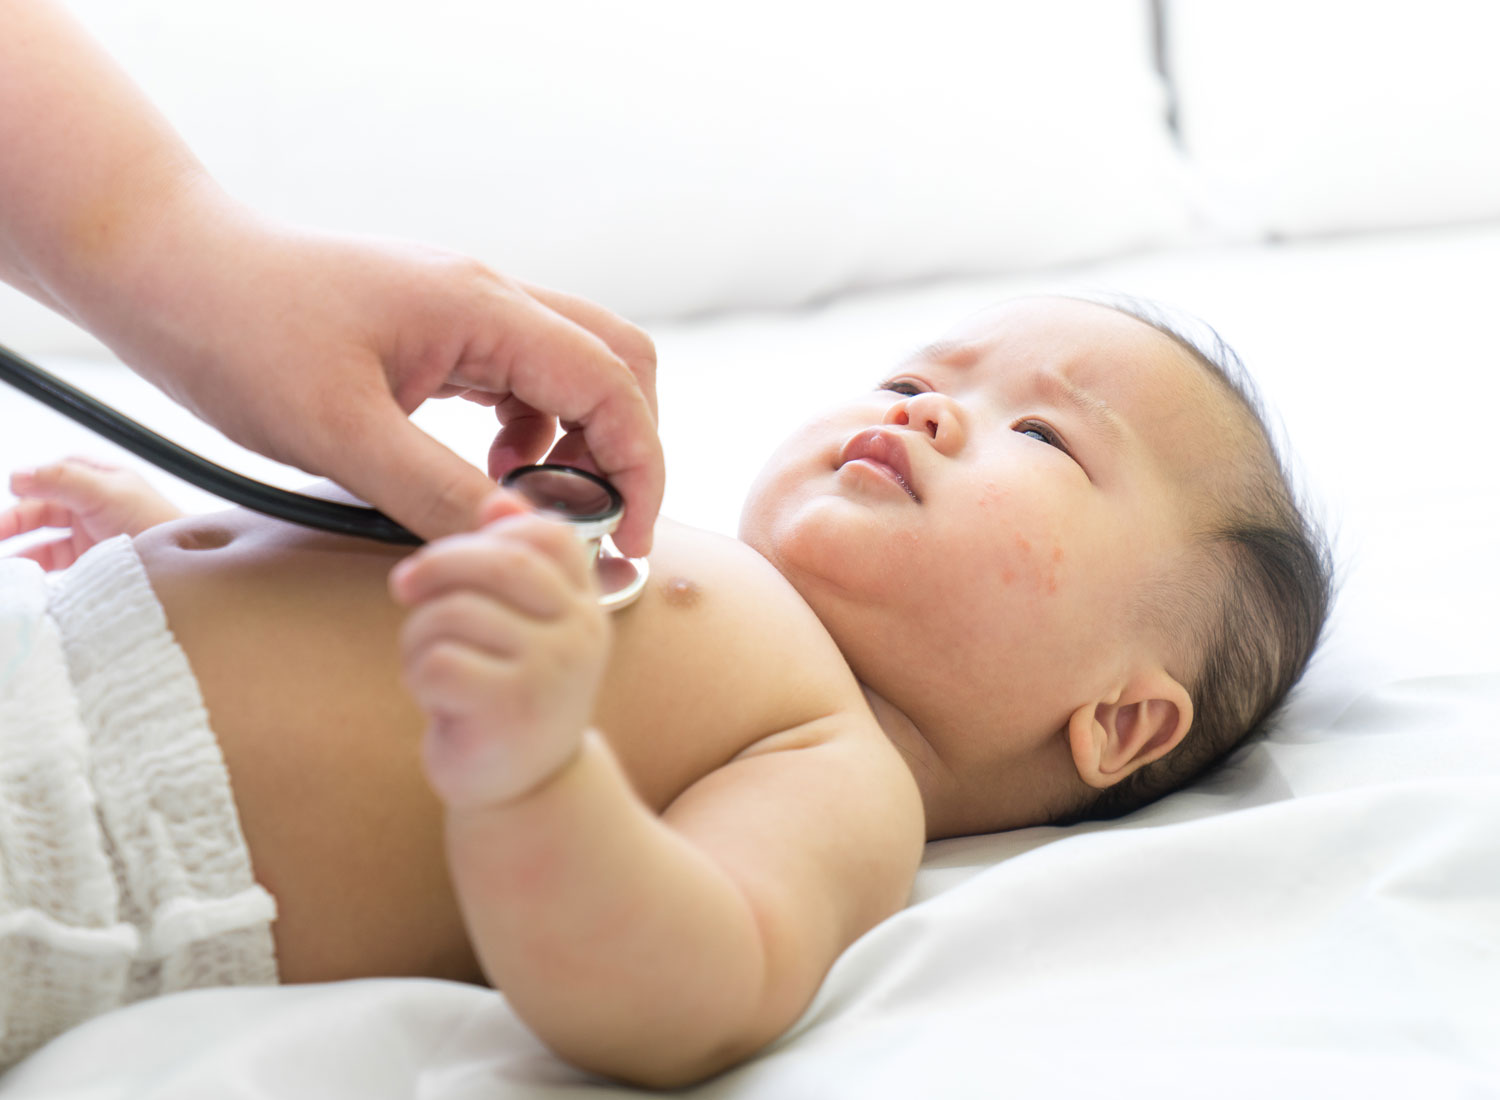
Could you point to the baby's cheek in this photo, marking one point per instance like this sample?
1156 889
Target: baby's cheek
1027 548
1033 565
1053 568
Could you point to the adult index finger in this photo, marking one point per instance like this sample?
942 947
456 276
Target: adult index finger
555 365
635 349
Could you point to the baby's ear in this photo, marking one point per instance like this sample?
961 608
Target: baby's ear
1147 719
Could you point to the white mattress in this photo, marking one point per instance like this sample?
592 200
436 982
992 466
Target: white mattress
1321 917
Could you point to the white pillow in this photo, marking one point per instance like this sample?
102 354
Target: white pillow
1325 116
675 156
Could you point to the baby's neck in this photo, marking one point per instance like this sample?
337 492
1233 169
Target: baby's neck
931 774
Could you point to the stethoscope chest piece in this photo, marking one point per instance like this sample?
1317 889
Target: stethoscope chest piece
593 508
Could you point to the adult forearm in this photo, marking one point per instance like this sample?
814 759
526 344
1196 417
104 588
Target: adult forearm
89 168
623 947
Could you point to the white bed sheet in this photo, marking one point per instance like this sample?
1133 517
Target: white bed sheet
1321 917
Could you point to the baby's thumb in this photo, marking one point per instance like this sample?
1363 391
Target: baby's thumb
414 479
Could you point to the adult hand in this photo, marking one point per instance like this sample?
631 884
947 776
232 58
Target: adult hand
309 348
314 350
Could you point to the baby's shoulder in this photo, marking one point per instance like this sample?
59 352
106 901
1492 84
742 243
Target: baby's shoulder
721 669
718 627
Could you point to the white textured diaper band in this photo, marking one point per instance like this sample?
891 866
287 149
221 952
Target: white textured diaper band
123 870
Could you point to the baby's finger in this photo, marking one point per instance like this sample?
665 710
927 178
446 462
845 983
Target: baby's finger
505 569
70 481
30 514
52 556
471 752
450 679
466 618
506 514
502 503
551 537
93 463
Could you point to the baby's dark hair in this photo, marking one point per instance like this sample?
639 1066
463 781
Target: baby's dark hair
1259 602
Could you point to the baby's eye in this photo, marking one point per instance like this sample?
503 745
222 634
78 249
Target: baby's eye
901 386
1038 430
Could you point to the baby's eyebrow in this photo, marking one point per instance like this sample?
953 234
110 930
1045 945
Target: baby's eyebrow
1096 411
951 353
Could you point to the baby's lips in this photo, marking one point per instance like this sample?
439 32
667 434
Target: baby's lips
885 448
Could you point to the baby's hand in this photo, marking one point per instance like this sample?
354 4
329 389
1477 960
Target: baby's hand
504 649
94 499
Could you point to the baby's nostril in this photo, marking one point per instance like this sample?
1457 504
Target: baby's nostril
932 428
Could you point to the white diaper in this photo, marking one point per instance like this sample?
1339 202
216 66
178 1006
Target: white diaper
123 871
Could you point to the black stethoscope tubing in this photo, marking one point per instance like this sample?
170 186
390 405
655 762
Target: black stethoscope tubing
549 488
141 441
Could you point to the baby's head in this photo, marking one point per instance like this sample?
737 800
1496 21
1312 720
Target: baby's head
1060 553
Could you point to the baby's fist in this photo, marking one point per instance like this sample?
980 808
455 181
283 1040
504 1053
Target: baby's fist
504 650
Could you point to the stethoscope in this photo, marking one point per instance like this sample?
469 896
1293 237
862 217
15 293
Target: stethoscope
590 505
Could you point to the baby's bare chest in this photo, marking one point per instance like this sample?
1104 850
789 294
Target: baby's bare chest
295 643
296 647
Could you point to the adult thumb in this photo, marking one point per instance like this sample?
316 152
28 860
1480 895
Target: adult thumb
414 479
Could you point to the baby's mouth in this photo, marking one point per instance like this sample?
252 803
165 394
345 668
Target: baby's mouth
885 451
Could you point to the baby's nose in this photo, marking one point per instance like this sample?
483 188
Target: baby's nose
934 413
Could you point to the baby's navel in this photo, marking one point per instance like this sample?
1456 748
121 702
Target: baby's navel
203 536
678 591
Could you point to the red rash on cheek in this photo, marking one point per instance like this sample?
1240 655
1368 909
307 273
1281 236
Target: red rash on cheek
1043 576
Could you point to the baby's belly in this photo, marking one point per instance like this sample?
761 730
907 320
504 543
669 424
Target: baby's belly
294 643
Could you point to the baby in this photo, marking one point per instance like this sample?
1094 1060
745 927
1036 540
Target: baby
1049 569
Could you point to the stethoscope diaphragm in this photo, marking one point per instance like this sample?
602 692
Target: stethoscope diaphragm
593 508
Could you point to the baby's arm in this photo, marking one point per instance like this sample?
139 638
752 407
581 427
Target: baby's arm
654 949
90 499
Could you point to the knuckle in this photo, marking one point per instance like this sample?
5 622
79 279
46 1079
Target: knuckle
428 624
506 549
51 473
473 270
556 538
637 349
439 667
422 568
413 640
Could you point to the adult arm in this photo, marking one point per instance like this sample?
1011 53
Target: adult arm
309 348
